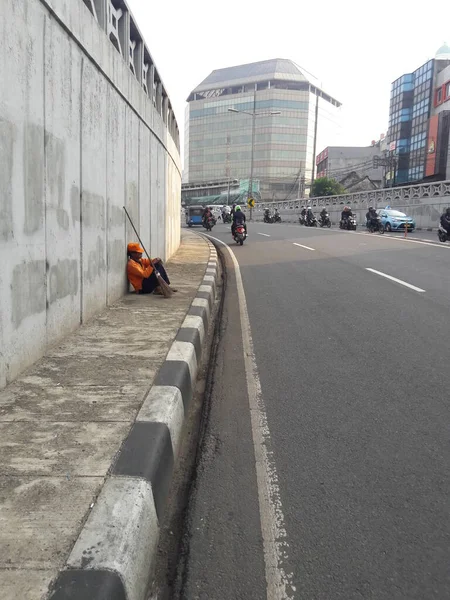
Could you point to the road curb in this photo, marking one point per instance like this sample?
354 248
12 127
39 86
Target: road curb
113 556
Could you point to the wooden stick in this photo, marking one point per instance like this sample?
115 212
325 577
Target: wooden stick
165 287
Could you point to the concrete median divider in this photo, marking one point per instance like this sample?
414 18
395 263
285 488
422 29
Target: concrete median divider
113 556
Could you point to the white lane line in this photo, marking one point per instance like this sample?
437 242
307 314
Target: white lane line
436 244
273 529
412 287
264 234
302 246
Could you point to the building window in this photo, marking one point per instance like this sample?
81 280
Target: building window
438 98
447 90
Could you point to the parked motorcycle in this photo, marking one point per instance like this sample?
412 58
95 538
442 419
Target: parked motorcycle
443 234
325 221
276 218
377 226
349 224
268 217
240 234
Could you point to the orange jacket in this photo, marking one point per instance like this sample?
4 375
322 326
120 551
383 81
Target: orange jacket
137 271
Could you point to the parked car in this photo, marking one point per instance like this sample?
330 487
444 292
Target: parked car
394 220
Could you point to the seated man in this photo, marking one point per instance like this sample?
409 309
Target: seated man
141 271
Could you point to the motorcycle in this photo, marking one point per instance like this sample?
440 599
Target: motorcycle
443 234
325 221
378 226
226 218
302 220
349 224
240 234
276 218
312 222
268 218
209 223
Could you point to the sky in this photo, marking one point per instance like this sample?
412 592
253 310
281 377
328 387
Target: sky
354 48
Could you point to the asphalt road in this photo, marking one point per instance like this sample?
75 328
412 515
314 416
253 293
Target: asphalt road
354 371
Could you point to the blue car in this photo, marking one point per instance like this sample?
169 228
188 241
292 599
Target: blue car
394 220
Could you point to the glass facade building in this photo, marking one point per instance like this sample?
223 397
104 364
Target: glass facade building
218 143
410 109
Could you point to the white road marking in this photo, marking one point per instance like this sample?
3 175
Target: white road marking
302 246
273 529
264 234
424 242
412 287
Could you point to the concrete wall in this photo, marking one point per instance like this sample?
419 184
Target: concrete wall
79 139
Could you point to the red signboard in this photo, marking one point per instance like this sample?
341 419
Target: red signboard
430 161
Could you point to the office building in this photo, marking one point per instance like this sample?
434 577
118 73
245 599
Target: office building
289 104
415 100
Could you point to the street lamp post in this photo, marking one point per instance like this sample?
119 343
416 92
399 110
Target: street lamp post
253 114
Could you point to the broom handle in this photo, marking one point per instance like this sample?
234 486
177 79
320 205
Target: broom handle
137 235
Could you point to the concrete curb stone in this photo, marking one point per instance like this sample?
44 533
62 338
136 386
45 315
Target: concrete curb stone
113 555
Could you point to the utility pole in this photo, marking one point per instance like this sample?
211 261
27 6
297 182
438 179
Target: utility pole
228 168
250 183
315 141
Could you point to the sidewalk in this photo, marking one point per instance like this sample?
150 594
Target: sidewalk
62 423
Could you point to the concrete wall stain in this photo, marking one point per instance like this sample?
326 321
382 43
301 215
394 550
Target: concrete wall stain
75 204
93 210
55 150
33 173
96 262
63 280
116 216
7 138
117 256
28 290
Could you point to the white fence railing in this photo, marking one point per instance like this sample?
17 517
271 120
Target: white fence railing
400 196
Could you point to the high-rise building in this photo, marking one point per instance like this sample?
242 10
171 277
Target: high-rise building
294 117
412 106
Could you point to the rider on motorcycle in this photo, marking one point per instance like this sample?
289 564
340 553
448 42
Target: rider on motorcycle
371 217
323 214
206 215
309 215
445 220
346 214
303 213
267 214
238 219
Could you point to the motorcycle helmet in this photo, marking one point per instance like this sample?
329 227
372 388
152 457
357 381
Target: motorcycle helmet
309 208
237 208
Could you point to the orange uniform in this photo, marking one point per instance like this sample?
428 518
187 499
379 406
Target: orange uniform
137 271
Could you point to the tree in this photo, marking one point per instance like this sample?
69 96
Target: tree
325 186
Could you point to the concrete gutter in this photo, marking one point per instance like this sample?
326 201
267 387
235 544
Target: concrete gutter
114 553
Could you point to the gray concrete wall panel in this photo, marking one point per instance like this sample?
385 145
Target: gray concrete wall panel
79 139
62 176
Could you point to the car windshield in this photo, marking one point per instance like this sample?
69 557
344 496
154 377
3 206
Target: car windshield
395 213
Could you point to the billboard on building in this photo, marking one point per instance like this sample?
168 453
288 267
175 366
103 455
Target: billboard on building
432 139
